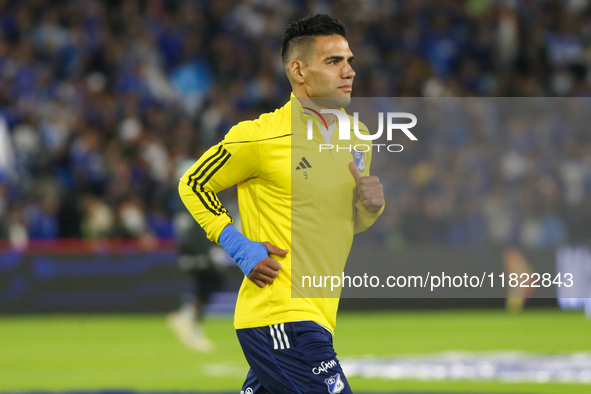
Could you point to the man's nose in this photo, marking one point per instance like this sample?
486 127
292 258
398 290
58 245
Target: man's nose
348 71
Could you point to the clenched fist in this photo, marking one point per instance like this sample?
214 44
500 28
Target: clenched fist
369 190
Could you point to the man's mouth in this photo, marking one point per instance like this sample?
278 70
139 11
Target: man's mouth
346 88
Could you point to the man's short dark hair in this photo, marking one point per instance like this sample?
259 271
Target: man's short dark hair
304 30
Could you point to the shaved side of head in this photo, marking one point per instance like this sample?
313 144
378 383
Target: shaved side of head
299 48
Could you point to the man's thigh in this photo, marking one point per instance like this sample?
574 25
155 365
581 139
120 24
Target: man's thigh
293 357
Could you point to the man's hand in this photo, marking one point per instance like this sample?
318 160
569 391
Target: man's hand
369 190
266 270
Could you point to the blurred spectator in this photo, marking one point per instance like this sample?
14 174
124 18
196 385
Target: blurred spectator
98 219
7 159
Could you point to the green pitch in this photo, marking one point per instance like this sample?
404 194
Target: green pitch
138 352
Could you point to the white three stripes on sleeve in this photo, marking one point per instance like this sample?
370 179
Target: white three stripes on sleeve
279 337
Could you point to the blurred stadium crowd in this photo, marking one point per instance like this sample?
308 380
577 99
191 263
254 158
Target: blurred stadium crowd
104 103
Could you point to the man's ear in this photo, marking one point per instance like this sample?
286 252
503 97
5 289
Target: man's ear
297 70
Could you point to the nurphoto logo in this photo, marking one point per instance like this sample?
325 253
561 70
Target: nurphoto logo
345 129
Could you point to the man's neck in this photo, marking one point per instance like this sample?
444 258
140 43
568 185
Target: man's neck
309 102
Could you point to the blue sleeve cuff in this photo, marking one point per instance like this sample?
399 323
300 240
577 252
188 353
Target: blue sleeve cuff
245 252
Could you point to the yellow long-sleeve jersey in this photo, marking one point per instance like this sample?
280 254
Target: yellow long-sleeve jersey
268 162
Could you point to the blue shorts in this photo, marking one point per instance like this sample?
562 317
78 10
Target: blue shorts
295 357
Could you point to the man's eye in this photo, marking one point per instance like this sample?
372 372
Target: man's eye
333 62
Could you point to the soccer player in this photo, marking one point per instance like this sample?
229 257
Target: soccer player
288 341
199 259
